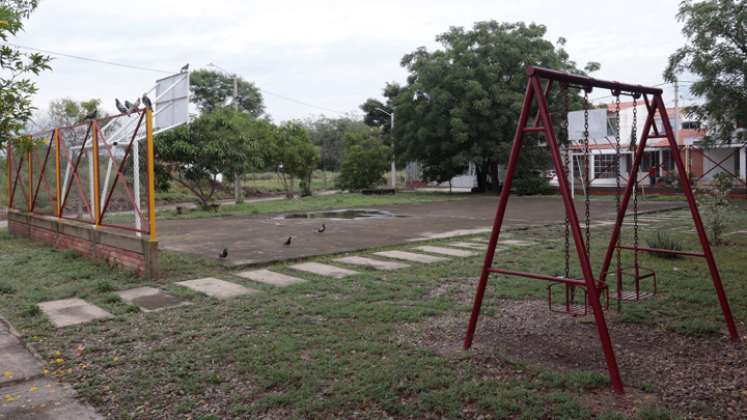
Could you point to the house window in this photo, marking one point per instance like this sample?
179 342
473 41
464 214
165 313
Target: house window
604 166
649 159
691 125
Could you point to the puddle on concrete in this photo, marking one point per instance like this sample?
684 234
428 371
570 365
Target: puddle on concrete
350 214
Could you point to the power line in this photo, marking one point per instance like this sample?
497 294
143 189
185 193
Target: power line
142 68
93 60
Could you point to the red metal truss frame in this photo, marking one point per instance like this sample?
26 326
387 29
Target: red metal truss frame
75 177
718 164
539 96
42 177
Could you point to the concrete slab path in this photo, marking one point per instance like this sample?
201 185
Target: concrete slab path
26 394
411 256
270 277
469 245
370 262
65 312
325 270
452 252
150 299
219 289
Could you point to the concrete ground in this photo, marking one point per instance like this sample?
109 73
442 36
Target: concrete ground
259 239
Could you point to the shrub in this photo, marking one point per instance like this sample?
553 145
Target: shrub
663 240
530 183
365 159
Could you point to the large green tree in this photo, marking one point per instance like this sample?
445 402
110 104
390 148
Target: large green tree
329 135
461 102
294 156
716 51
216 143
364 162
212 89
16 68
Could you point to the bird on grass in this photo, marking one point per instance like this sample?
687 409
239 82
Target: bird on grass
184 68
288 241
146 101
322 229
121 108
223 253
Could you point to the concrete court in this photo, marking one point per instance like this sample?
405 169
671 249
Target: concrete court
259 239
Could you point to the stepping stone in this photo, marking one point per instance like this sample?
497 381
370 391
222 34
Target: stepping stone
447 251
219 289
411 256
270 277
370 262
149 299
65 312
43 398
515 242
325 270
469 245
16 363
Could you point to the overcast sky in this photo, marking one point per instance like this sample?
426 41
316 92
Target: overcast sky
331 54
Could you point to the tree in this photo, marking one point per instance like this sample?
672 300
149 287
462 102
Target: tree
65 111
461 103
294 157
211 89
215 143
16 88
329 135
716 51
364 161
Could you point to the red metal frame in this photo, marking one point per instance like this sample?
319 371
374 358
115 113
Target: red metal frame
42 177
718 165
592 287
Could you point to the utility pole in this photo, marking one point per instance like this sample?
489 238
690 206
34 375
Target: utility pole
237 193
393 175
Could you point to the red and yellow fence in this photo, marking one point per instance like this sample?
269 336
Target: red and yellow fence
98 172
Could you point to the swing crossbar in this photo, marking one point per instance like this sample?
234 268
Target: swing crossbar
588 82
537 276
662 251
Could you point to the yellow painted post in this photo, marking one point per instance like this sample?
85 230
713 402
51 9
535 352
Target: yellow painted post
96 187
151 173
57 171
30 159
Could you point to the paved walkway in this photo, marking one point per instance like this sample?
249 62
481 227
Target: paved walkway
27 393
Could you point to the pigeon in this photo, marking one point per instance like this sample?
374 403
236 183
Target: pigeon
322 229
223 253
134 107
184 68
91 115
121 108
146 101
288 242
127 105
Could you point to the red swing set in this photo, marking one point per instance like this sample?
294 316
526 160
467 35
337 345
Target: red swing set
594 288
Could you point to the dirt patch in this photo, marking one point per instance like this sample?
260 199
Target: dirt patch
694 376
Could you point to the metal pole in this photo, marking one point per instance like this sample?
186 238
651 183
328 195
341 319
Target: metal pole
394 167
9 163
500 211
151 174
238 196
96 181
30 159
676 112
57 172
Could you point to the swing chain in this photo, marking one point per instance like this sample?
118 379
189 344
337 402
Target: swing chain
587 183
566 166
618 187
635 190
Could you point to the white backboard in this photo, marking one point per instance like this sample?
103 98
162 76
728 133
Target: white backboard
172 101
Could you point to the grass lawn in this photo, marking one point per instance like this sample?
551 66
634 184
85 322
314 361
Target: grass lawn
373 345
316 202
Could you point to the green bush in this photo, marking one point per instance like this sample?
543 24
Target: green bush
365 159
663 240
530 183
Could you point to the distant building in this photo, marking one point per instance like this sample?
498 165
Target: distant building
700 162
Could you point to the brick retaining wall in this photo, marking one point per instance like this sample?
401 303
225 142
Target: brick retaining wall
106 245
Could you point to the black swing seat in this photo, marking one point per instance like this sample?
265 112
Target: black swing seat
637 273
569 304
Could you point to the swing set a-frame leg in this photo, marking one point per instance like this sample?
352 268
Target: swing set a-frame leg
534 91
